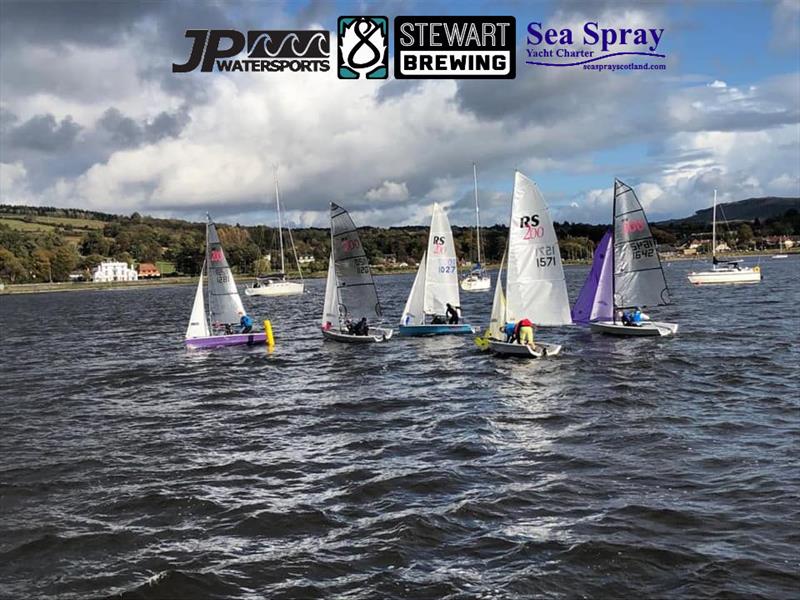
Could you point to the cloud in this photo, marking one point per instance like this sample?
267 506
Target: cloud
91 116
44 134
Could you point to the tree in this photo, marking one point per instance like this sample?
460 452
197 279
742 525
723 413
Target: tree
11 268
745 234
65 259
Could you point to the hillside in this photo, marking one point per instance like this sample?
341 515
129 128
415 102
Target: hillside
48 244
741 210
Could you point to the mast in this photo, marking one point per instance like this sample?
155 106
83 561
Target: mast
714 227
614 255
206 265
280 223
477 212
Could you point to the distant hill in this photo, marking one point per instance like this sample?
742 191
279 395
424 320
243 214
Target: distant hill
742 210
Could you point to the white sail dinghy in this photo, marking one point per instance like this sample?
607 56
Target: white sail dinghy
350 294
535 285
435 287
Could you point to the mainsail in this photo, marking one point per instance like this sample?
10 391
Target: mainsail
198 324
536 288
356 289
330 310
638 276
414 310
594 302
497 319
441 272
224 303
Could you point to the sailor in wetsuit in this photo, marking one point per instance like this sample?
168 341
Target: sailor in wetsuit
452 315
361 328
246 323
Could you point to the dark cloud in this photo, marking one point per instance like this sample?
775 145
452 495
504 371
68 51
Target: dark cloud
125 132
43 133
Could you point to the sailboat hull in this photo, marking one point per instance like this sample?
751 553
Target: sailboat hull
277 288
538 350
376 335
444 329
476 284
647 329
731 276
236 339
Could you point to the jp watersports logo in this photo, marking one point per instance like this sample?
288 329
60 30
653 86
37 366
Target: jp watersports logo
267 51
455 47
591 46
363 47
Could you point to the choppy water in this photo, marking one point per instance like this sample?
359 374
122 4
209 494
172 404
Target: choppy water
625 468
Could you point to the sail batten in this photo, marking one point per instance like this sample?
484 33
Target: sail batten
536 287
357 296
638 276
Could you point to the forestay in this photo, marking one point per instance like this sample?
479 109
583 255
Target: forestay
330 310
497 319
198 324
225 305
536 288
594 302
414 310
357 295
441 272
638 276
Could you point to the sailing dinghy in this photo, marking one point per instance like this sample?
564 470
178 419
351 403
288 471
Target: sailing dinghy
215 327
435 286
626 273
535 285
350 293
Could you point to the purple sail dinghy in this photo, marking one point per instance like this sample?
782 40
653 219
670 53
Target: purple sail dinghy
224 304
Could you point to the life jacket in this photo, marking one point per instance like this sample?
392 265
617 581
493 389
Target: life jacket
525 323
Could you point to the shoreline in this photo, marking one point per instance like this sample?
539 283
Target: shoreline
77 286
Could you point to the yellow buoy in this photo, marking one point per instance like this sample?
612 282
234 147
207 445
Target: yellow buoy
270 338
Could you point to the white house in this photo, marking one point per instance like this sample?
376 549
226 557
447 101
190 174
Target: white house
114 271
306 259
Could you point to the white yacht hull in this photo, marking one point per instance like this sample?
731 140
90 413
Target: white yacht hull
746 275
476 284
646 329
376 334
279 288
538 350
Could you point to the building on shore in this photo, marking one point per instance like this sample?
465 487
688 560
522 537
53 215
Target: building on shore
113 271
148 271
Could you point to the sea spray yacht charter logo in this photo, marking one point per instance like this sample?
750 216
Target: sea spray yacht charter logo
267 51
455 47
593 47
363 47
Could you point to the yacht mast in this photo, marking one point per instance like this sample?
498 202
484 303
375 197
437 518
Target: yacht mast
477 211
280 223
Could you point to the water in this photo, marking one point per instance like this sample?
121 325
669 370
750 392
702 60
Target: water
421 468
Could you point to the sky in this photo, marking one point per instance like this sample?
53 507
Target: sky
92 116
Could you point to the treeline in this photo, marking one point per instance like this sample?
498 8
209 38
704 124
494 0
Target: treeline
27 256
